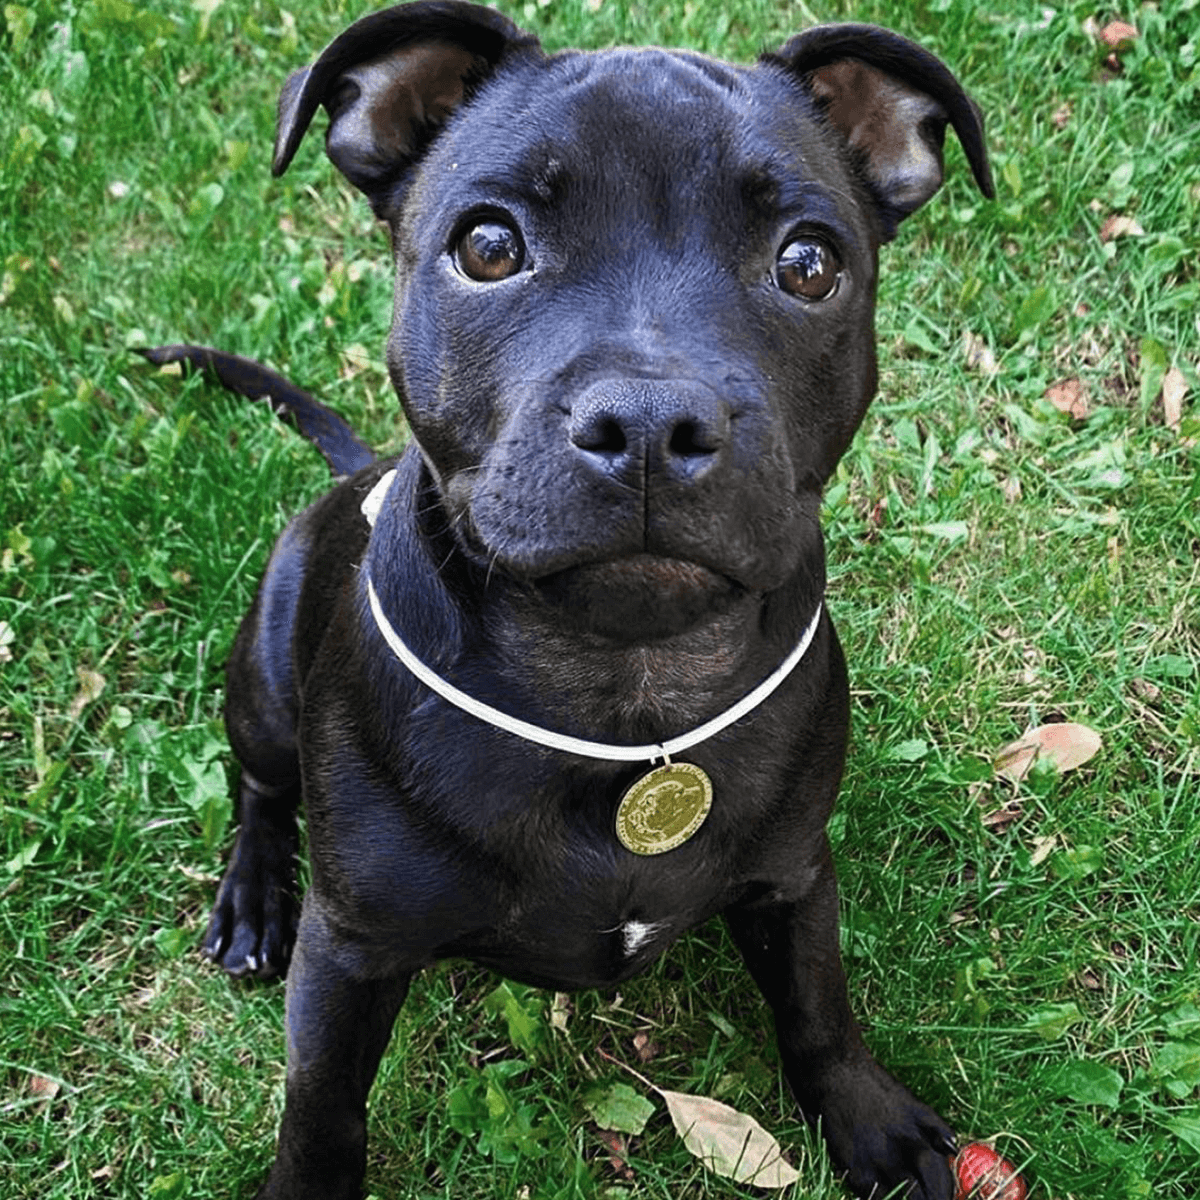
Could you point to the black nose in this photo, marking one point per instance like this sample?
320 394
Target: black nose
638 427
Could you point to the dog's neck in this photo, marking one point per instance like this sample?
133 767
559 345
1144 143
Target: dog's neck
552 674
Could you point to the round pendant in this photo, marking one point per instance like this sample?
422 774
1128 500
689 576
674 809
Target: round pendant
664 808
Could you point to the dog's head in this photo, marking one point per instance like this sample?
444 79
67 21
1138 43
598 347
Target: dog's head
633 325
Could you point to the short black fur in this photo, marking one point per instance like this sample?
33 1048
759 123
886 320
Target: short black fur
606 524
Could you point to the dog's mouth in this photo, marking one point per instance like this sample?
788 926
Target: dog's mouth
640 597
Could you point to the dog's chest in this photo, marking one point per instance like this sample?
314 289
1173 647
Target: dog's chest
591 929
566 953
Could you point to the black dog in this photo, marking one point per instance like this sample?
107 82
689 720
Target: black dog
633 335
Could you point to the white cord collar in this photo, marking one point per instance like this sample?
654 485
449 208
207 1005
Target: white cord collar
560 741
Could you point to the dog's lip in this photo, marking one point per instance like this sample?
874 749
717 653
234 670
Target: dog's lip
654 570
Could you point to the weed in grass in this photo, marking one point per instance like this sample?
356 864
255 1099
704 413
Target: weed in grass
995 563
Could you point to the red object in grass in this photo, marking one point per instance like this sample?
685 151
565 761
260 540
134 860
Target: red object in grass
983 1174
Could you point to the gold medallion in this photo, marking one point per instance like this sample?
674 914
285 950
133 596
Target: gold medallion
664 808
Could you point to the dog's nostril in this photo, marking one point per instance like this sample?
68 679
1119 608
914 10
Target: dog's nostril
612 437
604 435
687 438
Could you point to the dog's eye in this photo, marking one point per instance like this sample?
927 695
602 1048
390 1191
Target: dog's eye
489 251
807 267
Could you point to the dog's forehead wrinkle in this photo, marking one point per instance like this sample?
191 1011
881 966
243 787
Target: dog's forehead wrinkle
657 74
636 103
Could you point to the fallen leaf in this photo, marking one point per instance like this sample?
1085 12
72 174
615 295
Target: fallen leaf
91 685
41 1088
979 355
1043 847
560 1012
1174 388
1061 116
1116 226
617 1149
1118 35
643 1047
1001 818
1011 489
727 1142
1063 744
618 1107
1070 397
355 359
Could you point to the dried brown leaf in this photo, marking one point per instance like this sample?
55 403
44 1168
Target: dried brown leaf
1174 388
1065 744
1070 396
979 355
42 1088
1116 226
644 1047
91 685
1118 35
1043 847
618 1148
560 1012
729 1142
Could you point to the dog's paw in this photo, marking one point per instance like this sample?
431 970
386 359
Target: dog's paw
253 924
885 1139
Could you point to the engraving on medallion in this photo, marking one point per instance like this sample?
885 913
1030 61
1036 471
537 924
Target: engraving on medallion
664 808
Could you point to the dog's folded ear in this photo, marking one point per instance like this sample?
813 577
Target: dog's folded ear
389 82
890 100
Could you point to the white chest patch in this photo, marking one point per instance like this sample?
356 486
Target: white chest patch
635 934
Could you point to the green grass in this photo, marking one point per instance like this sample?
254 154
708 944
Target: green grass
1035 976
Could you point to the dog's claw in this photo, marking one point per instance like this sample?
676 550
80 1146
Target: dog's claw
885 1138
253 922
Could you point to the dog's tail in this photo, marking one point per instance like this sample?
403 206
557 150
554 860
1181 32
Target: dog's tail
336 441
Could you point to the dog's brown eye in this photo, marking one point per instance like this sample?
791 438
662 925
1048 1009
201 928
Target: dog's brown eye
489 251
808 268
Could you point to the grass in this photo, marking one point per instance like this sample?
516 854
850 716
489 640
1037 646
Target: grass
1025 958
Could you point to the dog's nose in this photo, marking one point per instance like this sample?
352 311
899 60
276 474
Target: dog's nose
630 427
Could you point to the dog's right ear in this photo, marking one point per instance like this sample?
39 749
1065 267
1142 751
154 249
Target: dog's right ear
389 82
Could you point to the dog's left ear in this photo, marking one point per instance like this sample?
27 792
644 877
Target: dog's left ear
891 101
389 82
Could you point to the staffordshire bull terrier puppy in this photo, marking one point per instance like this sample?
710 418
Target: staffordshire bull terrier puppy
558 683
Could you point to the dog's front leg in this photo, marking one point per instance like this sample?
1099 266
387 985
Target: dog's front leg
876 1130
339 1018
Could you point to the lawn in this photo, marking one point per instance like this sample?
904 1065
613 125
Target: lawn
1024 955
